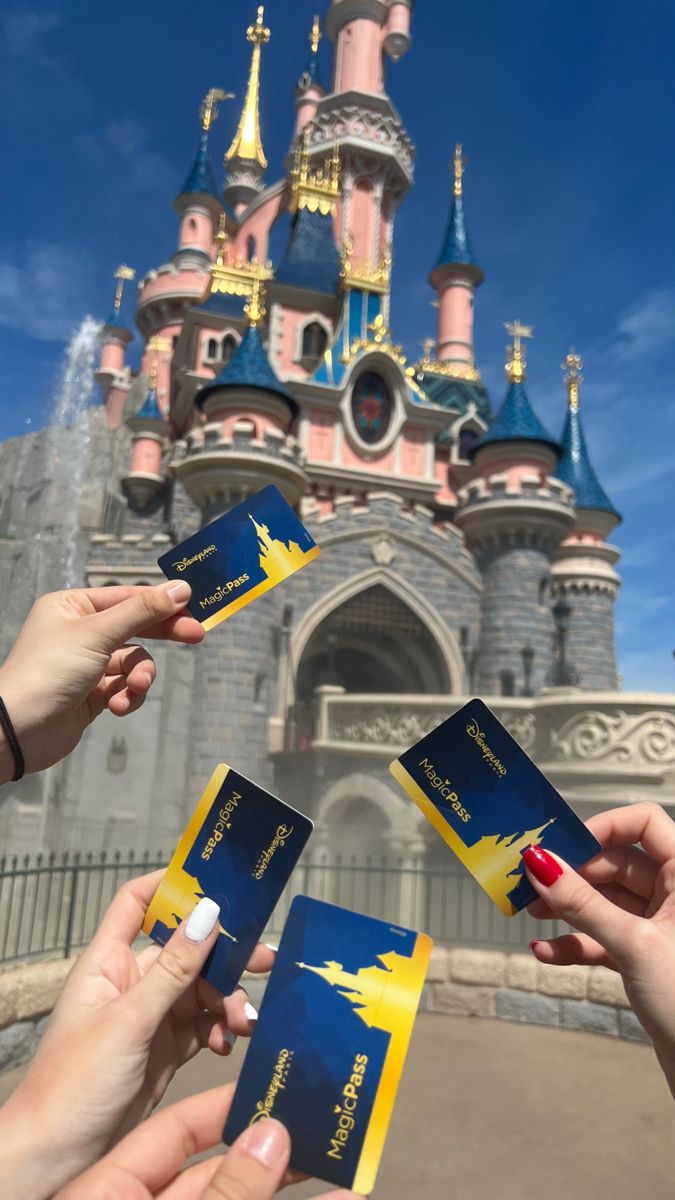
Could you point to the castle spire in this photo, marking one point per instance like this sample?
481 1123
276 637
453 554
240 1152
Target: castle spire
516 420
201 178
309 89
198 203
122 275
575 468
247 143
455 276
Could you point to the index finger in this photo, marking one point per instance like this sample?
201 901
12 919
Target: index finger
158 1148
125 915
179 628
645 822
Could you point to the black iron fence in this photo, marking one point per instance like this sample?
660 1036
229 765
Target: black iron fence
52 905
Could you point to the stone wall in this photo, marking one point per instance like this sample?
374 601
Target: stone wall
461 982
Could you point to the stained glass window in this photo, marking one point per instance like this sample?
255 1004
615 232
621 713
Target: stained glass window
371 407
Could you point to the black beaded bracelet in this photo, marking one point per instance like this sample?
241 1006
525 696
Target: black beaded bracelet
10 734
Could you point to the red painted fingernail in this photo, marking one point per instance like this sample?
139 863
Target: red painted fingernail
533 944
542 865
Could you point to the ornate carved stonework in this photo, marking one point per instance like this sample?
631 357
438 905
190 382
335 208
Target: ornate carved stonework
383 551
393 726
617 737
370 125
522 726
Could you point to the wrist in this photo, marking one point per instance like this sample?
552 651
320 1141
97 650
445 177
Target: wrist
29 1164
19 713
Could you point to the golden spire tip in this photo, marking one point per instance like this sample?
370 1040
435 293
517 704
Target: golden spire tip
516 364
247 141
459 165
573 378
315 35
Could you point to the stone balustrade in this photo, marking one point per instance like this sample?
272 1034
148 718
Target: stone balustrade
600 747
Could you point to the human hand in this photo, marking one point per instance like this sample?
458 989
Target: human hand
71 660
623 905
123 1026
149 1163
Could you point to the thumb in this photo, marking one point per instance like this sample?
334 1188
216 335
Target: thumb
176 968
140 613
572 899
255 1165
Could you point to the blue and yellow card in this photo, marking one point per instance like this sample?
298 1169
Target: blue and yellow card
489 802
240 848
330 1042
240 556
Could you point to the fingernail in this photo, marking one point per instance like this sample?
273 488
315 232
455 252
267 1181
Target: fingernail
533 944
542 865
250 1012
202 920
271 947
180 591
229 1038
266 1140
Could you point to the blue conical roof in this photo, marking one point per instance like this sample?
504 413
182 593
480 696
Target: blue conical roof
457 249
516 421
115 320
201 177
150 410
576 471
311 260
249 367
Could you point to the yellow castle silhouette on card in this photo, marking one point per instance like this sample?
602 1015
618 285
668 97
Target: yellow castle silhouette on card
496 861
277 559
176 890
380 995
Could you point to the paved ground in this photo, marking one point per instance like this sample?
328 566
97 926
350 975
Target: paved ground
493 1111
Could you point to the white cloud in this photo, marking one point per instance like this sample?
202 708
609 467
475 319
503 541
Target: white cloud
124 147
25 30
646 327
41 294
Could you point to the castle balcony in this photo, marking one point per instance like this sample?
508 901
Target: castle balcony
599 749
216 470
508 501
165 293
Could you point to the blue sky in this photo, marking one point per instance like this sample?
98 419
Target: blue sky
566 115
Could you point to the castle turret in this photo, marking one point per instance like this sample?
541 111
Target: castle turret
113 376
455 277
149 428
198 203
245 441
245 160
513 516
376 152
310 89
583 565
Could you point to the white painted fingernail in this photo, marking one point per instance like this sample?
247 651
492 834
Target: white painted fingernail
271 947
250 1012
230 1038
202 920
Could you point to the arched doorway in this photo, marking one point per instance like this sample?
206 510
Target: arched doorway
373 642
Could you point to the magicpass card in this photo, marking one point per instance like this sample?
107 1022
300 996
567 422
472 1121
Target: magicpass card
330 1042
239 848
489 802
240 556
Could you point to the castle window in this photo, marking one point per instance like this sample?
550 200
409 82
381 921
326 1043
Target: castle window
250 248
212 349
372 407
507 683
228 348
314 342
466 442
544 584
